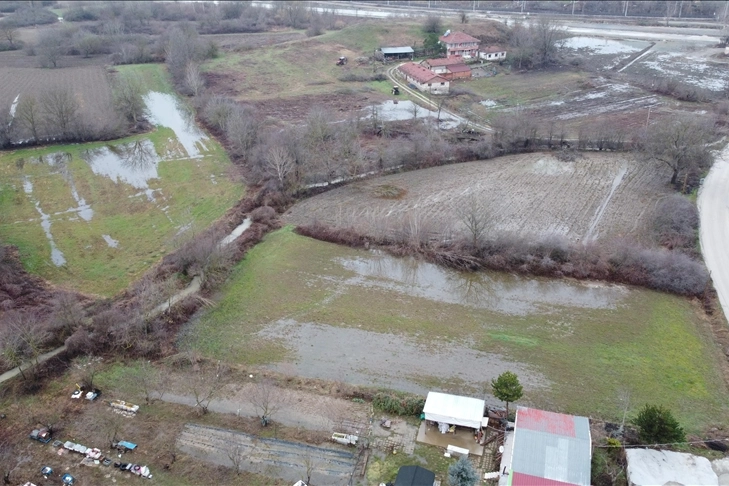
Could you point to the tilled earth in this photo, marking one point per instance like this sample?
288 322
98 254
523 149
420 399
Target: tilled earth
598 195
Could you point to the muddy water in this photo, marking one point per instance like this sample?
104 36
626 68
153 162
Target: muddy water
407 110
364 357
603 46
167 111
133 163
503 293
386 360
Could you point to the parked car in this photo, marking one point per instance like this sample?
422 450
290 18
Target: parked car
41 435
67 479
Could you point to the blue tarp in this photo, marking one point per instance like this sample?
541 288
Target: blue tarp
127 445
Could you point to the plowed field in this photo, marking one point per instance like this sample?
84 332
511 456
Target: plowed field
90 86
597 196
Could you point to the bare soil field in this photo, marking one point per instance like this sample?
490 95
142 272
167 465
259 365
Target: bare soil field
597 196
269 457
242 42
90 86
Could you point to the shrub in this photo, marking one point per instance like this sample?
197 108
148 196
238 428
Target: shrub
79 14
398 403
362 78
657 425
676 223
462 473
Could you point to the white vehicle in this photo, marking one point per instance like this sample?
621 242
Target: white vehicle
345 439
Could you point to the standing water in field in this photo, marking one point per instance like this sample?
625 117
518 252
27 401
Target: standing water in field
165 110
133 163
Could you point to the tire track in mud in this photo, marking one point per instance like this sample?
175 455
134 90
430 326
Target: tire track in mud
285 459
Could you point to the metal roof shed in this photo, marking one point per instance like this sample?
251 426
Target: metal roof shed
550 449
397 51
454 409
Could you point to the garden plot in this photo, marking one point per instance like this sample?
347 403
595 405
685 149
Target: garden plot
272 457
531 195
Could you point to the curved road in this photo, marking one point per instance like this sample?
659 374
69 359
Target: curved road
714 233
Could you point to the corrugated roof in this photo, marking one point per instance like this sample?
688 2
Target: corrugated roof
444 62
551 446
397 50
458 38
459 68
420 74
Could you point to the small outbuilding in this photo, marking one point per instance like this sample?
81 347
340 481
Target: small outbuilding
414 476
492 53
396 53
449 68
547 448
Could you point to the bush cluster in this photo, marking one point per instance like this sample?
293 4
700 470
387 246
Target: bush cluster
398 403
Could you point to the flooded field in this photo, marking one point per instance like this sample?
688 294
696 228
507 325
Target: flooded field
313 309
94 216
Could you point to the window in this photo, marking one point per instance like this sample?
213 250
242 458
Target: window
430 84
442 84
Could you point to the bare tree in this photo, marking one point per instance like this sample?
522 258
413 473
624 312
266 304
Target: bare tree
29 115
433 25
474 217
310 465
61 109
68 314
193 79
464 16
279 164
242 130
680 143
31 332
548 38
50 48
267 399
237 455
85 370
294 13
128 94
9 31
205 385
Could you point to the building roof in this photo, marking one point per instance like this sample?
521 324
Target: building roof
648 467
492 49
414 476
444 62
420 74
397 50
457 38
459 68
454 409
550 449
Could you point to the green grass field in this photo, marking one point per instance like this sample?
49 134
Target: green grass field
652 346
186 192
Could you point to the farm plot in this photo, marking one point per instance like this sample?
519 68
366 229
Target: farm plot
89 86
319 310
95 216
597 196
280 458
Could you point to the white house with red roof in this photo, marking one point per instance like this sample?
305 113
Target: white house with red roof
460 44
424 79
493 53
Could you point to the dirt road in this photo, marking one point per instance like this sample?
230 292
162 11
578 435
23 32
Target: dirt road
714 234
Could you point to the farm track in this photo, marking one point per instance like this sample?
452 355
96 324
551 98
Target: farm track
288 459
528 195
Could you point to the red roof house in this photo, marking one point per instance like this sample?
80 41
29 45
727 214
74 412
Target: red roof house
460 44
424 79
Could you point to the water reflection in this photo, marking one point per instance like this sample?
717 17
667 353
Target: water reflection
165 110
133 163
505 293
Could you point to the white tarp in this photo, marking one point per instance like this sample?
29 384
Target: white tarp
649 467
454 409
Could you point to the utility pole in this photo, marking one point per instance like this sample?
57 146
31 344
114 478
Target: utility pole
627 2
573 7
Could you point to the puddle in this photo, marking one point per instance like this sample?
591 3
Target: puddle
165 110
27 185
110 241
239 230
405 110
504 293
57 256
708 76
600 46
133 163
552 166
13 107
488 103
386 360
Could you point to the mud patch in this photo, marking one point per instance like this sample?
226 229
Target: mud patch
390 361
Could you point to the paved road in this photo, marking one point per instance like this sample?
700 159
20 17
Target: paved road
43 357
714 211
